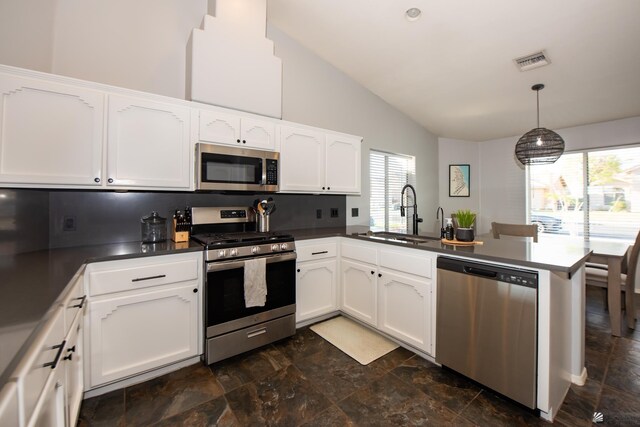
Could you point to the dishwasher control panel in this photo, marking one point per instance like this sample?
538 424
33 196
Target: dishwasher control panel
517 279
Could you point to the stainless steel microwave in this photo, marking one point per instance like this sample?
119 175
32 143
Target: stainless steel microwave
236 169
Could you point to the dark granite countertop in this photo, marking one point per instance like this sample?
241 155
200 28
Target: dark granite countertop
559 255
32 284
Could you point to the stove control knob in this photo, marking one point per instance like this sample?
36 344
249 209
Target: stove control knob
275 248
255 249
222 253
284 246
233 252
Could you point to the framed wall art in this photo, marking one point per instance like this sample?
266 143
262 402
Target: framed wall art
459 180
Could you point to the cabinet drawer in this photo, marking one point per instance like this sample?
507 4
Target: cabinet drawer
316 251
38 364
74 302
406 262
129 275
359 252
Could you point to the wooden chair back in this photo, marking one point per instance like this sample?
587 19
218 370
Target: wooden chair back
520 230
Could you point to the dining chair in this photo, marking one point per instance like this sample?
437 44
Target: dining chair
519 230
597 275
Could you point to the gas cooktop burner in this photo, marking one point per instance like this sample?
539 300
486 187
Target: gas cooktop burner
211 239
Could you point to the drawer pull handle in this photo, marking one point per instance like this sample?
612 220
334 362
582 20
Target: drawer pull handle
256 332
319 253
82 300
140 279
53 364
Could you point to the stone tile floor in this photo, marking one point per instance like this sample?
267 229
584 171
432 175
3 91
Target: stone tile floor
305 381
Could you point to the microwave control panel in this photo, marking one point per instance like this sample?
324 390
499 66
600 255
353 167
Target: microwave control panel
272 172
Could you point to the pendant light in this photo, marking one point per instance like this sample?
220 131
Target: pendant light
539 146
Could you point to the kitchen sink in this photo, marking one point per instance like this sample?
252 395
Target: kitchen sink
400 237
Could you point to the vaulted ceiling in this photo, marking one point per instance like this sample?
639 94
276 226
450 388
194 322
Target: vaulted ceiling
453 71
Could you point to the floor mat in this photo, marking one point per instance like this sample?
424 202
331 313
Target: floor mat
355 340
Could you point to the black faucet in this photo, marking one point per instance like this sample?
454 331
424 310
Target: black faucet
416 220
439 212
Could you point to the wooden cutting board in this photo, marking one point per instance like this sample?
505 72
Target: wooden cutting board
459 243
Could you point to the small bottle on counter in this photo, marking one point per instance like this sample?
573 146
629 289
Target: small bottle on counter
448 230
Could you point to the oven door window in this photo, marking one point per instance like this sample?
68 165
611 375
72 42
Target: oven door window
225 292
228 169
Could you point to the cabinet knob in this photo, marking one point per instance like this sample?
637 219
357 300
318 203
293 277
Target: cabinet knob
238 141
328 188
72 349
244 141
379 275
69 357
323 188
298 270
96 179
195 291
372 272
110 180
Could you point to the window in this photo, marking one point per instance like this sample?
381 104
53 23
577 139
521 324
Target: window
593 194
388 174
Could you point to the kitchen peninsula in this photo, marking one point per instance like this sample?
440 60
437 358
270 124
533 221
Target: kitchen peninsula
561 290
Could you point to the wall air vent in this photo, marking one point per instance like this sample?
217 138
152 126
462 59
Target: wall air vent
535 60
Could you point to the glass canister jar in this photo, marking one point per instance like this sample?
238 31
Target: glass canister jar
153 228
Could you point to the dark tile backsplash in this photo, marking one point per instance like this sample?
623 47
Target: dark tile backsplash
34 219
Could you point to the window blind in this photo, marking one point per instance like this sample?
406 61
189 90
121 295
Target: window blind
388 174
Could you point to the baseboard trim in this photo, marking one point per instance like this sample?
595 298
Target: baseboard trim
580 379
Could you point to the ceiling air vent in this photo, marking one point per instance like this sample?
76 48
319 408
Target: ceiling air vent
535 60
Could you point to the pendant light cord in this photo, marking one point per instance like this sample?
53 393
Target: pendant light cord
538 105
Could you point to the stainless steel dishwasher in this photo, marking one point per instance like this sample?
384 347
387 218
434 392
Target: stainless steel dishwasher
486 326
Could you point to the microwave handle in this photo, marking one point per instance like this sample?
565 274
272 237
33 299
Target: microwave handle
263 181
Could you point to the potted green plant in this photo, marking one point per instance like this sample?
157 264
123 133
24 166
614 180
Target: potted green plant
465 219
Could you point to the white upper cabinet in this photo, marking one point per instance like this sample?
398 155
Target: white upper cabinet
50 133
246 132
148 144
302 160
343 164
316 162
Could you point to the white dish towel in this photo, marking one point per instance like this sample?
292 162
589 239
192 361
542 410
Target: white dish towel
255 282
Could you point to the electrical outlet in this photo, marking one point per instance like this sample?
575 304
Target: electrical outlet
69 223
334 212
318 213
354 212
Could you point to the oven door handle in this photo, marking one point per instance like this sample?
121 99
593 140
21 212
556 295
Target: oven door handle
231 264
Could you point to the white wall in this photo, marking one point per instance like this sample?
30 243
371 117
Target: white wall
455 152
26 33
142 45
137 44
503 197
318 94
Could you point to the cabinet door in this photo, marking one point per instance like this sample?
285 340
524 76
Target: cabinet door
219 128
148 144
137 332
73 359
50 133
359 290
404 308
258 134
315 289
9 415
343 164
302 158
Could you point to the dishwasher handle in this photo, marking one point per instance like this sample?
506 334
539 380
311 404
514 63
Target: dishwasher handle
480 272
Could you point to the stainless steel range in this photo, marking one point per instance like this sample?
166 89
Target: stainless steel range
231 242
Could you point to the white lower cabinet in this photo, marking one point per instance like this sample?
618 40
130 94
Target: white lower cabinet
150 319
49 378
359 296
389 288
404 303
316 280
